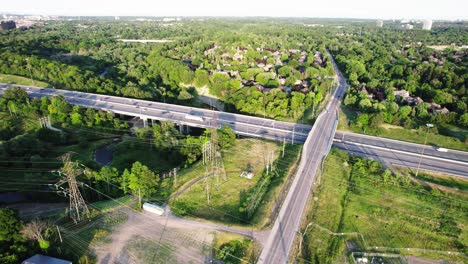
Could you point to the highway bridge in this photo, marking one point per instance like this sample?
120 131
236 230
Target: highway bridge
317 142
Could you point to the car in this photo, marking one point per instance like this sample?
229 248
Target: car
105 98
150 104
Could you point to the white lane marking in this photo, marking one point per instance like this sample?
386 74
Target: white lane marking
403 152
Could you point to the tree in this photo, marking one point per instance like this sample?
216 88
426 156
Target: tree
140 181
464 120
227 138
15 94
12 247
365 104
233 251
37 230
405 111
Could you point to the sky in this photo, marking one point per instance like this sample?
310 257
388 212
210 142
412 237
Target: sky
387 9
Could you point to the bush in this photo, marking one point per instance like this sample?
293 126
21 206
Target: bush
233 251
183 207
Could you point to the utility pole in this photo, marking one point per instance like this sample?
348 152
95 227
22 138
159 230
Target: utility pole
207 188
175 176
292 140
284 146
30 72
60 236
78 206
422 152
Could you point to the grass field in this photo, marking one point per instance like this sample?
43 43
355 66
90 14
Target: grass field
7 78
453 138
225 192
378 209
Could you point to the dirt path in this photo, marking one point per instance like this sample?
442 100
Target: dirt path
187 239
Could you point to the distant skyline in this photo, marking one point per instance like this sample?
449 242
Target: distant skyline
369 9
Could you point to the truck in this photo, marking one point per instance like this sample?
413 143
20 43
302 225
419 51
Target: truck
442 149
194 118
152 208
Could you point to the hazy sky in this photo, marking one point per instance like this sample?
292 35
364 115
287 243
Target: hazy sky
387 9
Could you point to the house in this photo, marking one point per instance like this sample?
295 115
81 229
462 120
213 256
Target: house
413 100
41 259
401 93
444 111
318 58
282 81
365 92
434 106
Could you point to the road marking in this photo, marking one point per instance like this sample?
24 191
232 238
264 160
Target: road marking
402 151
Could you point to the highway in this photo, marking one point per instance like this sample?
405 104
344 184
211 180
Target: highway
317 142
181 115
406 154
315 148
244 125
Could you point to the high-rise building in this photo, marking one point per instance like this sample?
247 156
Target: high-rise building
427 24
379 23
5 25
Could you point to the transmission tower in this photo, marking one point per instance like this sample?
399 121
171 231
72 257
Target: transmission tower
212 157
70 171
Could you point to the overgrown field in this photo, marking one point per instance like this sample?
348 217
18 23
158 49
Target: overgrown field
220 198
8 78
375 208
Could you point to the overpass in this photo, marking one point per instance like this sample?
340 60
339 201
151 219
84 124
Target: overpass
181 115
317 142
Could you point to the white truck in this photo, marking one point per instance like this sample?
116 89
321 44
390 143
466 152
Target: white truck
152 208
442 149
194 118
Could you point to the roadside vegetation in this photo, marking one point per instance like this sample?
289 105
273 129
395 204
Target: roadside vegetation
8 78
359 205
452 137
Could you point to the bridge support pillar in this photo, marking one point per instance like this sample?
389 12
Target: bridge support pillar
145 122
181 128
152 122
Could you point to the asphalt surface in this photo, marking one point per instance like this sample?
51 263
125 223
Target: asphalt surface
316 147
392 152
317 142
182 115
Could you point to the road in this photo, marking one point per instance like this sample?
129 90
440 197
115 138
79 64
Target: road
316 147
404 154
182 115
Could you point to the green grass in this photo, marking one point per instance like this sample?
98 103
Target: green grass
454 138
7 78
127 152
387 213
111 205
225 193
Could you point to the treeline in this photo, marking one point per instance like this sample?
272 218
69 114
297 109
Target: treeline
381 72
86 56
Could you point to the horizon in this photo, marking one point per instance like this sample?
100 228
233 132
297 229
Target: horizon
358 9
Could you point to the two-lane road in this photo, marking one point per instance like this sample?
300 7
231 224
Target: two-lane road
316 147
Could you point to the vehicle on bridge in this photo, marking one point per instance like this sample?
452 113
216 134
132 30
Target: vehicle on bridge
194 118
